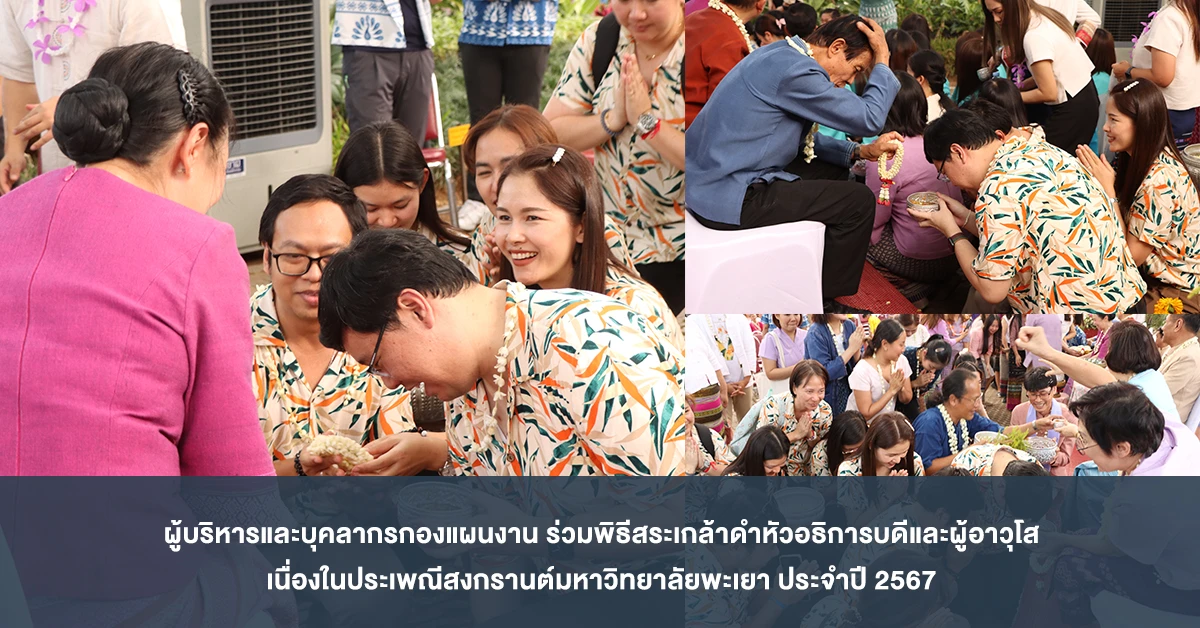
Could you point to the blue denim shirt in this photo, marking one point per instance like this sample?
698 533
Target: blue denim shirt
819 346
756 120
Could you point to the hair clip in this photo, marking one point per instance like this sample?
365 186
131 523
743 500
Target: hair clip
1131 85
187 93
779 22
558 154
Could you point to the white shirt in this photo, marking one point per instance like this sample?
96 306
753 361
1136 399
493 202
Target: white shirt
107 25
703 363
866 377
1171 33
922 334
1076 11
935 107
377 23
1044 41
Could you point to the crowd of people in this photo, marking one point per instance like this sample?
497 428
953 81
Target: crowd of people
830 395
375 305
1033 174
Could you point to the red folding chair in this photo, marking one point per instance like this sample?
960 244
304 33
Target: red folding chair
436 157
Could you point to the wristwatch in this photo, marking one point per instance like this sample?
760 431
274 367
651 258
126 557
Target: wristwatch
1129 73
646 123
956 237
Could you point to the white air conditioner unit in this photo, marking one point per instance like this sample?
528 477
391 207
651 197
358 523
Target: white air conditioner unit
1123 18
272 57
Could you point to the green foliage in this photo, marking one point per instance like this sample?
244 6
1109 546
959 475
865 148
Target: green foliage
947 18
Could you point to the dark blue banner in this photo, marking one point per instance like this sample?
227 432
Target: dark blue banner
764 552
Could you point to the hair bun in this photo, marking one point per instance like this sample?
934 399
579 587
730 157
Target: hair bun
91 122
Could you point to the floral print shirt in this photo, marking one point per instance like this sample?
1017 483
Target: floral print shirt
592 388
478 251
851 495
1046 223
642 190
642 298
781 411
712 608
1166 215
347 400
977 459
470 255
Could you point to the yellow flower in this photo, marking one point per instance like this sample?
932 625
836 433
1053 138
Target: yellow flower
1168 306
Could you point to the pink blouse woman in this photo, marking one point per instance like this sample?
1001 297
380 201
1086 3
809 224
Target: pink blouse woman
125 344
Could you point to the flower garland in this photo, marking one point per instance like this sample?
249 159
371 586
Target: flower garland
717 5
491 421
49 45
1145 29
887 175
952 433
810 140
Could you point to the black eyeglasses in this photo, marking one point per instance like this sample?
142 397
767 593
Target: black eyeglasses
941 175
297 265
375 353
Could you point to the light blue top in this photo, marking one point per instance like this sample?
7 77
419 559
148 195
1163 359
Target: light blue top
755 122
1155 386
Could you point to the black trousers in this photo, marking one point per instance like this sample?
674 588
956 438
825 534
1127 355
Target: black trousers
846 208
497 75
1072 123
667 278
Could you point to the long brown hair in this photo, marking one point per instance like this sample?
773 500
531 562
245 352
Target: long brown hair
1017 16
1191 10
1143 102
888 430
570 184
523 121
969 56
386 151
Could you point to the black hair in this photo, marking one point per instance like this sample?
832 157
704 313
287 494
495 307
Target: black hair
1131 349
931 66
954 472
768 442
900 47
938 350
1039 379
991 340
805 370
916 23
801 19
1004 92
134 101
309 188
386 151
846 428
1025 468
997 118
920 40
910 110
886 331
1121 413
955 384
969 55
958 499
956 127
1102 51
768 23
846 29
360 285
1191 322
969 362
832 12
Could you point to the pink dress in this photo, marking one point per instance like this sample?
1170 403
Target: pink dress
125 344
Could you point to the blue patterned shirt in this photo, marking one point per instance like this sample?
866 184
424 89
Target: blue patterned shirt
509 22
377 23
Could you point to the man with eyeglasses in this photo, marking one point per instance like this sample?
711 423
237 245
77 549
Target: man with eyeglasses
958 419
543 382
1050 240
303 388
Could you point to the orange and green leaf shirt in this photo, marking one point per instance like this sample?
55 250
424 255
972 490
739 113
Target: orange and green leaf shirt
642 190
347 401
1046 223
593 388
1166 215
781 411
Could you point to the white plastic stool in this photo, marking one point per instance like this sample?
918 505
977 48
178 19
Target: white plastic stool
767 269
1114 611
